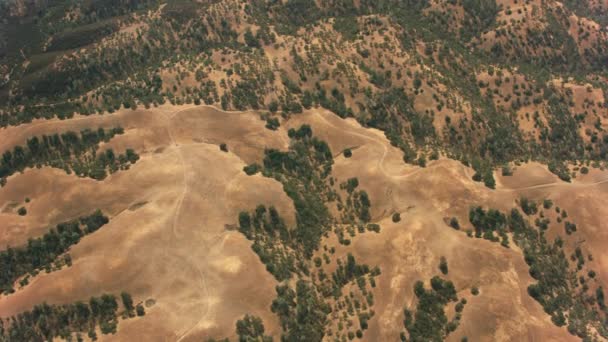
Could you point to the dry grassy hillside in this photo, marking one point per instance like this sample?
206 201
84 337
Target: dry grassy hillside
328 170
172 244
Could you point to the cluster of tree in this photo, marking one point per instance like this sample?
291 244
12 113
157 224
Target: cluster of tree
273 124
357 205
252 169
558 289
48 322
345 273
529 207
429 322
98 10
272 241
569 227
491 134
486 223
303 171
550 268
560 169
251 329
484 172
302 313
362 205
130 309
42 252
335 103
390 111
83 35
347 26
120 72
69 151
480 15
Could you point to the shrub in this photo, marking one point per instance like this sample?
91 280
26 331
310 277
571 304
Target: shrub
454 223
570 227
422 161
348 153
224 147
127 301
251 40
140 310
22 211
273 106
273 124
443 265
373 227
396 217
529 207
252 169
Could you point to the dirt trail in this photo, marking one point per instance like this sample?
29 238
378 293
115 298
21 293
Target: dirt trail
175 222
556 184
175 229
377 141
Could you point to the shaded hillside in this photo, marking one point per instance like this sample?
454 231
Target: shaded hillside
484 82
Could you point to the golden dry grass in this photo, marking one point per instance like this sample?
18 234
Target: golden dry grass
169 237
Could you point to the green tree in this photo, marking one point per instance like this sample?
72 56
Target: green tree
127 301
396 217
251 40
251 329
454 223
443 265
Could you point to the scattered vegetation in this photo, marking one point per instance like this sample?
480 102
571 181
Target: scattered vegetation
250 329
114 70
563 294
69 151
429 321
43 252
289 252
48 322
